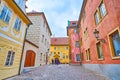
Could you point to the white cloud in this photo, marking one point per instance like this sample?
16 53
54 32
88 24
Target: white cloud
57 12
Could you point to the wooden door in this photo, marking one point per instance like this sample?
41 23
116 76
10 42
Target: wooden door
30 59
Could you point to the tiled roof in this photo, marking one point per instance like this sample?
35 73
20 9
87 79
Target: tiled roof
59 41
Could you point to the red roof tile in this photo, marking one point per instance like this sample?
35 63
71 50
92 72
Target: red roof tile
59 41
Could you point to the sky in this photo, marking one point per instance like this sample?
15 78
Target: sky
57 13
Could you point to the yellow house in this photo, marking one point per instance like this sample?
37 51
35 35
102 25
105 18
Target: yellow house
13 25
59 50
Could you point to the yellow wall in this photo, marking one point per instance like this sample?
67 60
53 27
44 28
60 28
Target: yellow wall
10 40
63 52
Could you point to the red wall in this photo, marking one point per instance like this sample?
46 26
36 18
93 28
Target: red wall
110 22
74 50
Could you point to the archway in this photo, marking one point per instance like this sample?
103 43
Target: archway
57 59
30 58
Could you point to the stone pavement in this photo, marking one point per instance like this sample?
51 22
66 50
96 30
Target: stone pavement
59 72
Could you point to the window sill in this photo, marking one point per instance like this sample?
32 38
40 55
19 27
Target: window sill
16 31
100 59
3 23
116 57
88 60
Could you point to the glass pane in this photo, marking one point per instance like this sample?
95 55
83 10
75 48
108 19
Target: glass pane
102 10
100 54
78 57
8 58
97 19
116 43
3 13
12 58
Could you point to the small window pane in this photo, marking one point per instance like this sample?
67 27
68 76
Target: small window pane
97 19
99 49
116 43
102 10
77 57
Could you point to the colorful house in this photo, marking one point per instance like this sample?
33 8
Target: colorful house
13 25
39 35
72 32
99 30
59 49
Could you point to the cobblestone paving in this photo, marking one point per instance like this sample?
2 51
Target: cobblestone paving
59 72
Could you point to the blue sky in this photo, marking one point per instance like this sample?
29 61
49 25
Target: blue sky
57 12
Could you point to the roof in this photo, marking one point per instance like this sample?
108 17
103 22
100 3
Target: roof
34 13
59 41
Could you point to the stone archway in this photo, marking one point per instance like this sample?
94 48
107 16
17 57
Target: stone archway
30 58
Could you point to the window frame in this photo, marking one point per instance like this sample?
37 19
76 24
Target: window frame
88 56
99 13
77 58
7 13
111 44
98 53
17 25
11 58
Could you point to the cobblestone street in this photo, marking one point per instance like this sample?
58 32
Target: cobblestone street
59 72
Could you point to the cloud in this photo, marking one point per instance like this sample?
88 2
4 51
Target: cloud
57 12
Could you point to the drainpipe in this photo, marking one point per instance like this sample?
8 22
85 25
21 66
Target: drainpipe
22 51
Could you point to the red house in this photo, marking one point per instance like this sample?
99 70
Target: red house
72 32
99 31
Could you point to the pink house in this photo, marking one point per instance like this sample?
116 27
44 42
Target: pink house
74 47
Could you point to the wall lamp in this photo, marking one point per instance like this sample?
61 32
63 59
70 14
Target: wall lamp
96 33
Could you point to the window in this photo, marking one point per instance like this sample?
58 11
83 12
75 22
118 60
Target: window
99 51
67 57
10 58
17 24
77 44
58 52
88 54
76 30
77 57
74 24
66 48
42 38
115 43
86 33
0 49
5 14
45 41
58 47
97 18
102 10
54 48
100 13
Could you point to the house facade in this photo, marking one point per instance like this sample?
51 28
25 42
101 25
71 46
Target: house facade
39 34
99 30
59 49
74 47
13 25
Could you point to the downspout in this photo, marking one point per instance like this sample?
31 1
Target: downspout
22 51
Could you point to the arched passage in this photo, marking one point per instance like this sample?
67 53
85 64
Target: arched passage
30 58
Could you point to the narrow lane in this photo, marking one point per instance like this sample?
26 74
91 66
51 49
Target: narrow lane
59 72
